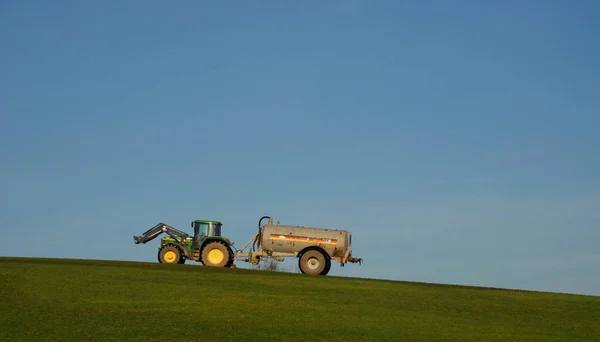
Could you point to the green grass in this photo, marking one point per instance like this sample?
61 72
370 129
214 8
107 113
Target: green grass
50 299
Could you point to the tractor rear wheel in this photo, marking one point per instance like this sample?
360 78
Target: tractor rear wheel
313 262
216 254
170 255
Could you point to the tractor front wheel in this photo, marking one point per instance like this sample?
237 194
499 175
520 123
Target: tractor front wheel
170 255
216 254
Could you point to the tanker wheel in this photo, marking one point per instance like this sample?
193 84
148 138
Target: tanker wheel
170 255
327 266
313 262
216 254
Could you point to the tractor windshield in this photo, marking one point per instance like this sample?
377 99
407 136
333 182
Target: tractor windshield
201 229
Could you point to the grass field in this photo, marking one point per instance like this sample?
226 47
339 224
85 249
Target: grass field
84 300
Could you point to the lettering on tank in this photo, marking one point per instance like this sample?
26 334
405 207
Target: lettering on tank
302 239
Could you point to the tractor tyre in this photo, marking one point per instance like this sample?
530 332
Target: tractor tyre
216 254
313 262
230 262
170 255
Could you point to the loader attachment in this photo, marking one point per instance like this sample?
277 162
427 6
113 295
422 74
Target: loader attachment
160 228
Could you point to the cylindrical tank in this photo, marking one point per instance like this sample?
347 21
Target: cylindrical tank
290 239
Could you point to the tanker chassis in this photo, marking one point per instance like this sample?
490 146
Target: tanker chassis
314 247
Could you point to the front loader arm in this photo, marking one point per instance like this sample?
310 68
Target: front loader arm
160 228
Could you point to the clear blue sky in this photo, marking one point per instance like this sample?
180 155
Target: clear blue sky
458 140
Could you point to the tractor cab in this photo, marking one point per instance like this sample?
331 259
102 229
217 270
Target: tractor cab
204 229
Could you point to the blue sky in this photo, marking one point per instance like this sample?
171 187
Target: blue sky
457 140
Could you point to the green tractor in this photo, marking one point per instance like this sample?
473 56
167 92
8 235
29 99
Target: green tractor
206 246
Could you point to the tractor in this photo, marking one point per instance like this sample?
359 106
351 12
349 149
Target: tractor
206 245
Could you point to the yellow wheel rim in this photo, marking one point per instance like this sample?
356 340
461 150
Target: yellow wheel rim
170 256
215 256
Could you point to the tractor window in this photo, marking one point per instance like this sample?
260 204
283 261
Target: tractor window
203 229
208 229
215 229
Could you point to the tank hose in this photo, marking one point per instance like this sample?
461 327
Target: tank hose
259 236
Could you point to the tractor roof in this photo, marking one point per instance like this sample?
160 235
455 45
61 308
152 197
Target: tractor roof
207 221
